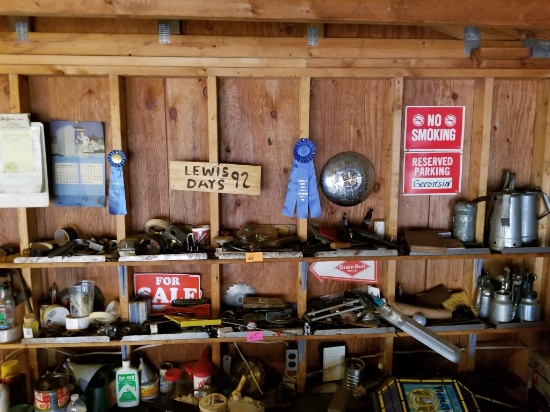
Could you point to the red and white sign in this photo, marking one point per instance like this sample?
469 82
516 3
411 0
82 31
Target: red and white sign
434 127
430 173
365 271
165 287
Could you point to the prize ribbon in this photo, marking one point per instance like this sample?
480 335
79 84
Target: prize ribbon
117 196
302 193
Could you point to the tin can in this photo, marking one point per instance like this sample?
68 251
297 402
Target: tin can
52 393
464 221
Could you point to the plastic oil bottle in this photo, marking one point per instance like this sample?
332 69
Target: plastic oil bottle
127 385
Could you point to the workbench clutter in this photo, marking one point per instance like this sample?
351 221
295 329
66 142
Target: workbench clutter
352 240
362 311
13 292
511 218
508 297
162 240
67 243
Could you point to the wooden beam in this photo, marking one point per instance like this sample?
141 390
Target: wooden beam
100 44
512 13
352 72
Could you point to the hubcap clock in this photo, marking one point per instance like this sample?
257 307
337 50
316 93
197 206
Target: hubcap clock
347 179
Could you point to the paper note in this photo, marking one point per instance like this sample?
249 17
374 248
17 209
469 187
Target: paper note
17 151
254 336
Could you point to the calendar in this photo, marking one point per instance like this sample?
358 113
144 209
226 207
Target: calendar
78 159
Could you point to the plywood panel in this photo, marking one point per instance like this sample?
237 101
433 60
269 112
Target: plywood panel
350 115
240 28
259 123
187 135
513 130
147 151
72 98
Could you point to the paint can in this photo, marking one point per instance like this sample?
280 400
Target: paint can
52 393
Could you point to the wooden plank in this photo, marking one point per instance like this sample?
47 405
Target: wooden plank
215 177
147 163
468 12
501 53
228 62
93 44
540 177
118 132
243 28
393 145
258 124
214 199
481 142
512 132
378 72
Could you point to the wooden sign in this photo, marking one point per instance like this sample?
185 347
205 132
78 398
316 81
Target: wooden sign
215 177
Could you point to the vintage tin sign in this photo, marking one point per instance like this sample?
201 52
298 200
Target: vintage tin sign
432 173
365 270
165 287
434 128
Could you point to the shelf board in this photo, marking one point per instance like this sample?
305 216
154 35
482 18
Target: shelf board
6 262
384 333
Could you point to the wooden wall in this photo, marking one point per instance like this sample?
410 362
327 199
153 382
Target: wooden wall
258 123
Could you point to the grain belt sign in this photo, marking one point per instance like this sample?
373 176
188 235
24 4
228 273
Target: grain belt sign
215 177
433 144
364 271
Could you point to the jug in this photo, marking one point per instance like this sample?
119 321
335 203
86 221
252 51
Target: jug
529 215
505 220
513 221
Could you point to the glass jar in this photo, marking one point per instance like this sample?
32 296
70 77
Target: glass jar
30 326
171 376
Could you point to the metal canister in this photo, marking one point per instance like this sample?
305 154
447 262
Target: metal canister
164 386
501 308
353 374
464 221
52 393
529 307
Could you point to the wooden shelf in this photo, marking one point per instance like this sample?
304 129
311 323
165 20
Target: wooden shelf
145 341
309 259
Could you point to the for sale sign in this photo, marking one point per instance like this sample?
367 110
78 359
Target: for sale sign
365 271
429 173
165 287
434 128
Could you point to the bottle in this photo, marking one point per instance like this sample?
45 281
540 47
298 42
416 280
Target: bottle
76 404
7 308
127 385
30 326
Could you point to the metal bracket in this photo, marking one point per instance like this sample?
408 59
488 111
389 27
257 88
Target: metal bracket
472 39
539 48
312 36
22 31
167 28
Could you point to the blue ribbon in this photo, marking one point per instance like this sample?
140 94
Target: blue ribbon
117 195
302 193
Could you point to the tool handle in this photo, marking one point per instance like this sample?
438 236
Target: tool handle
340 245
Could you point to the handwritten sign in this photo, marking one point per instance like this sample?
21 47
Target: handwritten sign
255 336
215 177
